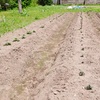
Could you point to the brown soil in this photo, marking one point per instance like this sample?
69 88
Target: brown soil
60 60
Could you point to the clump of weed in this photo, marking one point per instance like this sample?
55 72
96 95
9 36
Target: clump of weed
7 44
36 18
29 32
16 40
42 27
23 37
89 87
34 31
81 73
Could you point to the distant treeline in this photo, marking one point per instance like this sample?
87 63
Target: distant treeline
5 4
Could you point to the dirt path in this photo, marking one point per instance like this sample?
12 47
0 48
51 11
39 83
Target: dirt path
56 62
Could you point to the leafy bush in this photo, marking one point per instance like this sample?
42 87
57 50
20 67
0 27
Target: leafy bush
45 2
34 2
26 3
14 3
4 4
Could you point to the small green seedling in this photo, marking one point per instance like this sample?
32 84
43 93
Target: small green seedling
89 87
29 32
81 73
42 27
23 37
16 40
7 44
34 31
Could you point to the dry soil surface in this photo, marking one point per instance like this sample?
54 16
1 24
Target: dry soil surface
60 60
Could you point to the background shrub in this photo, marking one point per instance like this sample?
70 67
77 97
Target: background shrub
14 3
45 2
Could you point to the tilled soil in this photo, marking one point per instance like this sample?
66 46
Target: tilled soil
60 60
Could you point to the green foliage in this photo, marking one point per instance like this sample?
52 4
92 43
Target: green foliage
34 2
4 4
14 3
45 2
26 3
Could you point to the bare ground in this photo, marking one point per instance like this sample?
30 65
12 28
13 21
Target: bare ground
58 61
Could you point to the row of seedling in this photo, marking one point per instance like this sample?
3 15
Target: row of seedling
81 73
17 40
89 87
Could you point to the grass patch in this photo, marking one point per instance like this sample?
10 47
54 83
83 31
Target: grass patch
11 20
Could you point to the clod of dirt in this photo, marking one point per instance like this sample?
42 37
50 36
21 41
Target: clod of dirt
82 49
81 56
82 38
82 62
89 87
81 31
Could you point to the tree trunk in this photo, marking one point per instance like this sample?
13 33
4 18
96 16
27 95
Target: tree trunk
58 2
20 6
84 2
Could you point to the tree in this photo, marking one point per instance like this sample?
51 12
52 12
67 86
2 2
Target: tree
58 2
20 6
84 2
